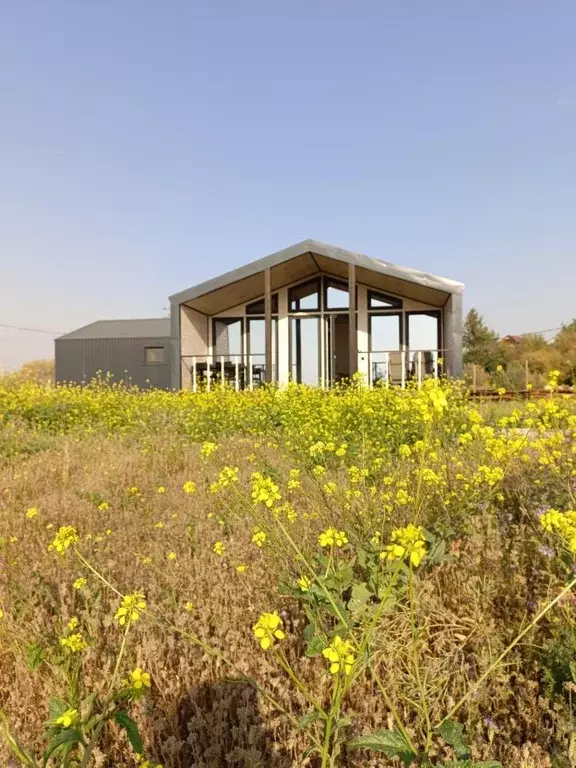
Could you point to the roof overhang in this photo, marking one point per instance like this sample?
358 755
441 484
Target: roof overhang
306 259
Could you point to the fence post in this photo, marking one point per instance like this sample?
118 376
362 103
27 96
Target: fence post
403 366
419 366
474 377
208 373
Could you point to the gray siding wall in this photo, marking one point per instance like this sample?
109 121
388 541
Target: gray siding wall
80 360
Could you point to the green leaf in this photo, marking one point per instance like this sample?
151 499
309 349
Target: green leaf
359 599
315 646
572 666
56 707
453 734
67 736
389 743
309 631
34 656
131 730
306 720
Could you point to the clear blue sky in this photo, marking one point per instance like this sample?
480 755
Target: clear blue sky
146 146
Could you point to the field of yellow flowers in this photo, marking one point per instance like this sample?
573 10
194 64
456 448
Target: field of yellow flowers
286 578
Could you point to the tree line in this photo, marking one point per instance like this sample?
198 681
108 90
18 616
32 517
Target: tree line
517 361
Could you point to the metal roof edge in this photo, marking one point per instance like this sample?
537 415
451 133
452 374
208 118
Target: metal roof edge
323 249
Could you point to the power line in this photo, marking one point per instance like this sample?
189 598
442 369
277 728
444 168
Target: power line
30 330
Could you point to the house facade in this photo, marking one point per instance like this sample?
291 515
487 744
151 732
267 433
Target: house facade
135 352
311 313
316 314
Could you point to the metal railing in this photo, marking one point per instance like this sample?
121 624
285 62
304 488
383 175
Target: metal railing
236 371
248 372
398 367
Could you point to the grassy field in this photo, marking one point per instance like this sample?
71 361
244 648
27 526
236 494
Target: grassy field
348 578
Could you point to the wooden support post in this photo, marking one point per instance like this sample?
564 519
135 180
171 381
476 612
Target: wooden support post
474 377
268 322
352 329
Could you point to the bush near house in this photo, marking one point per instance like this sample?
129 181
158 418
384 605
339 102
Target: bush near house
281 578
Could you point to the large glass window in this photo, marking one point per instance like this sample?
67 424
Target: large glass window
257 348
305 297
336 294
305 349
423 331
385 347
383 301
228 337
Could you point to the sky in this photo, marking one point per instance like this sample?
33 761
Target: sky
146 146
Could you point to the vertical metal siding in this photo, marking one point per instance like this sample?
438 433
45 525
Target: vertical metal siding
80 360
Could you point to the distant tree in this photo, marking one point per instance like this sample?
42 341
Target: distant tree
41 371
481 345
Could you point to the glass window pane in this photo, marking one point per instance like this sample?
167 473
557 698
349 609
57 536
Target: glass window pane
304 297
227 337
385 333
336 296
257 347
381 301
154 355
423 344
305 350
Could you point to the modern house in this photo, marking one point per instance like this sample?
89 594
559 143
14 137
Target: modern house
311 313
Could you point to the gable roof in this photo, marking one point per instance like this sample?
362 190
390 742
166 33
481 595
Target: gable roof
314 247
138 328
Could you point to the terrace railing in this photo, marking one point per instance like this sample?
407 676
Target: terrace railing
236 371
398 367
248 372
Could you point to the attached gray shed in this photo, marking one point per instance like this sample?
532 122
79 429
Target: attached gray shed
137 352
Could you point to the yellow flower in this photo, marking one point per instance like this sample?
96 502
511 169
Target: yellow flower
79 583
103 506
73 623
406 542
264 490
268 629
159 524
68 718
499 368
501 391
189 487
172 555
332 537
31 513
208 449
188 606
304 583
219 548
340 655
1 613
130 608
134 491
258 537
241 567
161 489
74 643
137 679
66 537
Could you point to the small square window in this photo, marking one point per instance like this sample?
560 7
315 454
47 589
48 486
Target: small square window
154 355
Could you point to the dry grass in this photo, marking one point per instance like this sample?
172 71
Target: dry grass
201 712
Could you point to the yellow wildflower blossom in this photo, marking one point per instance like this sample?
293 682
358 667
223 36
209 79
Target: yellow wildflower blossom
268 629
340 655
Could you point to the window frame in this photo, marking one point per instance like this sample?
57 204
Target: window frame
394 301
155 347
229 321
316 281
